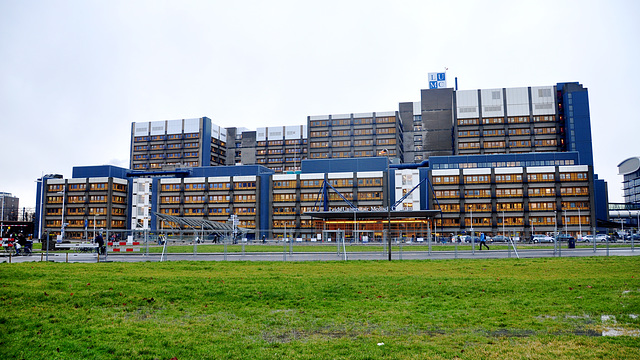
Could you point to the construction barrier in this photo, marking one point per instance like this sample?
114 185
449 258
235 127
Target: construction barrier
123 246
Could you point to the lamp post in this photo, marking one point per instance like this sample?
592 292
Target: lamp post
555 230
386 151
579 223
64 196
2 219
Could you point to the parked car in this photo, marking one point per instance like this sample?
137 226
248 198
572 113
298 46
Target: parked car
541 239
501 238
603 238
565 237
467 239
587 238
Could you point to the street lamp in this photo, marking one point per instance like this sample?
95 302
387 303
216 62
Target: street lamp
63 192
2 219
579 223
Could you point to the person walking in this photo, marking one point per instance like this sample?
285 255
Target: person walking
100 242
483 241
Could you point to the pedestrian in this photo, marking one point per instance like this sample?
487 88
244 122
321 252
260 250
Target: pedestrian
264 238
100 242
22 241
483 241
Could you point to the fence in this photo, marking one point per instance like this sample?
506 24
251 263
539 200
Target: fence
335 245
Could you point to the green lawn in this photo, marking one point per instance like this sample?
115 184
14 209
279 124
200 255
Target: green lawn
549 308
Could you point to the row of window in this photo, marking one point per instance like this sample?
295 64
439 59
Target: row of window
241 185
510 120
166 137
501 144
516 206
200 199
83 211
511 132
346 122
509 178
101 223
532 192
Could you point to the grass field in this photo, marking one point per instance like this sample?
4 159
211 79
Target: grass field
553 308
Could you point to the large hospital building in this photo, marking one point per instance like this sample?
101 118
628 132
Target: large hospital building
492 160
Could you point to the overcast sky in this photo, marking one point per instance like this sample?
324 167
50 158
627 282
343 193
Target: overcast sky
74 75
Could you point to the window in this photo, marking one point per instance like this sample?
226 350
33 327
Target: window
469 133
477 193
318 123
581 176
341 133
508 192
468 121
287 184
517 119
386 130
284 197
469 145
319 144
574 191
341 182
547 142
171 187
488 121
219 198
387 119
77 187
493 144
476 179
375 195
244 185
442 194
509 206
362 121
386 142
367 142
437 180
370 182
341 122
346 143
544 118
98 187
519 143
362 132
494 132
218 211
542 206
545 177
191 199
482 207
542 191
508 178
545 131
324 133
523 131
450 207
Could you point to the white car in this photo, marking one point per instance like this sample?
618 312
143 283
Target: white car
587 238
603 238
542 239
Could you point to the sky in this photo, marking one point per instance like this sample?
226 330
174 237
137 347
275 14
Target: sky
74 75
